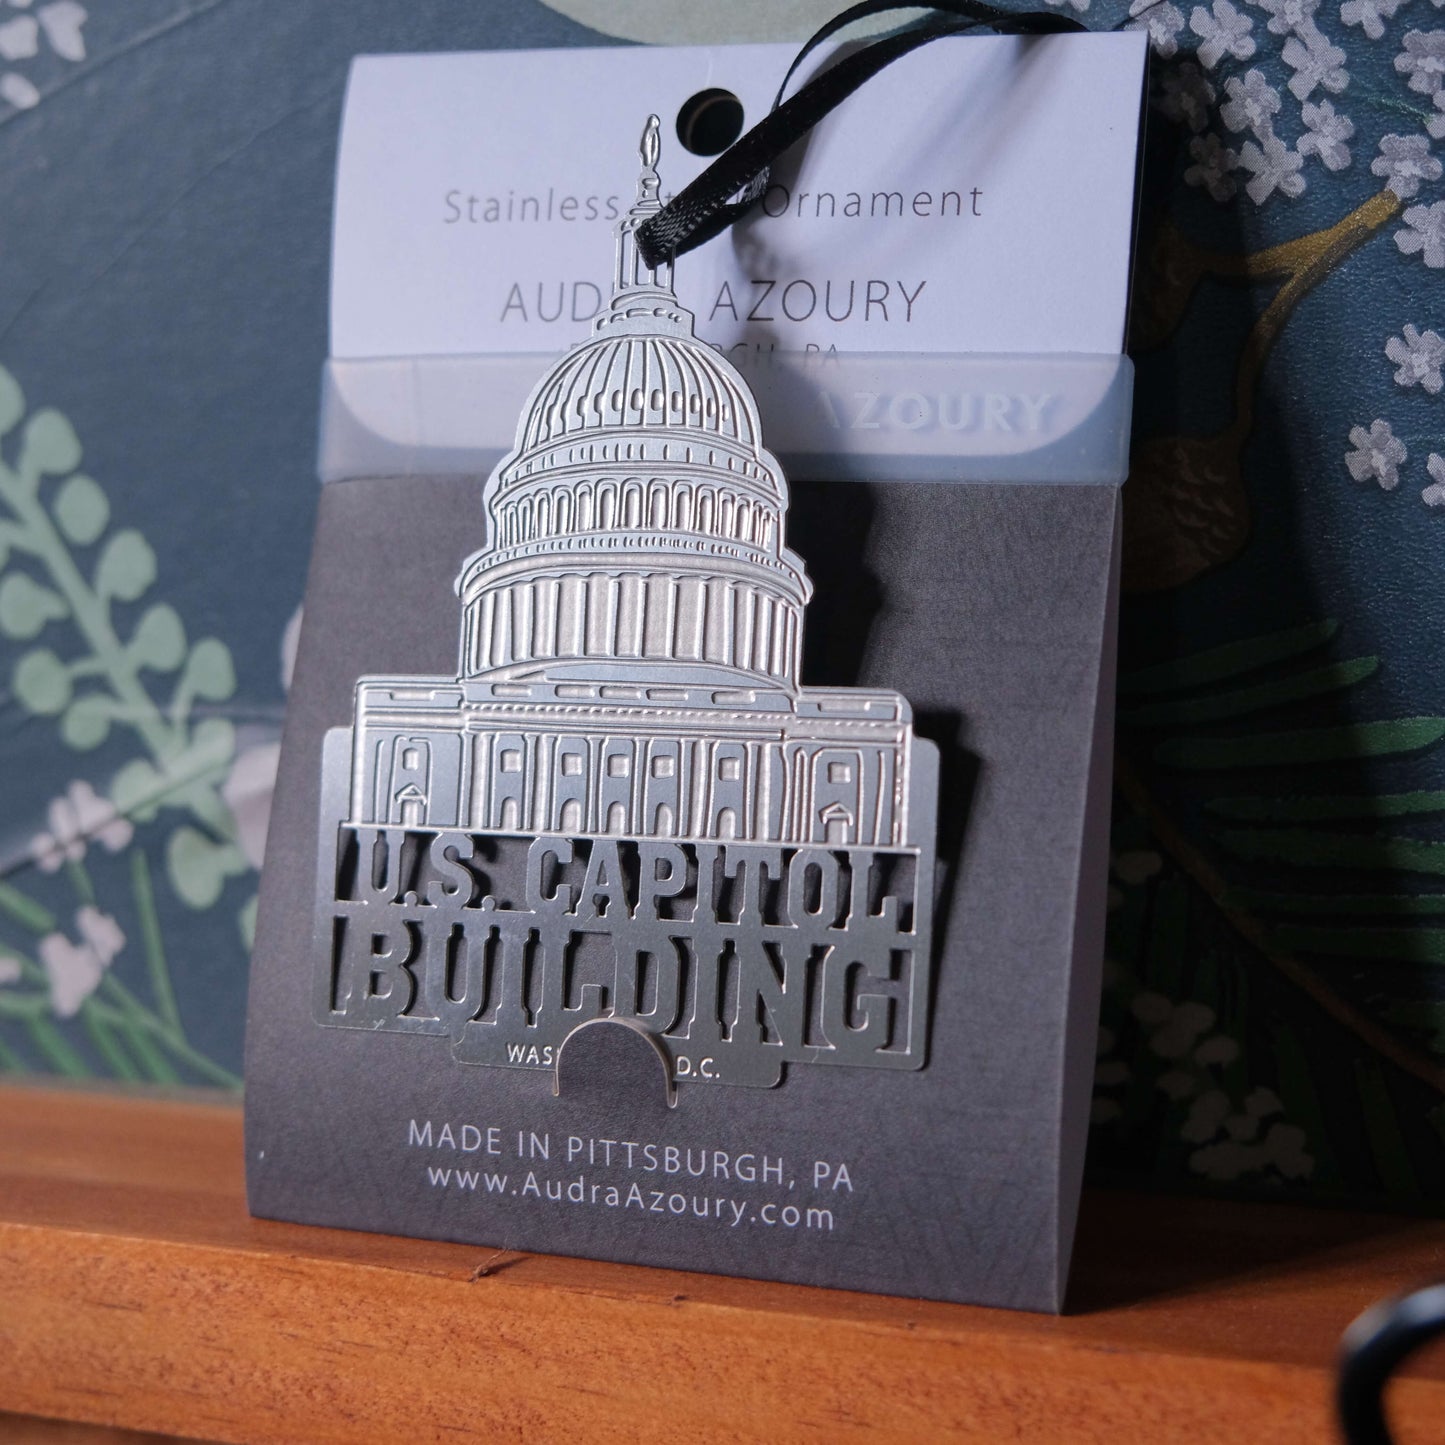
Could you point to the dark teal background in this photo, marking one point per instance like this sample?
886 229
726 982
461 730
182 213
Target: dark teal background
1274 1018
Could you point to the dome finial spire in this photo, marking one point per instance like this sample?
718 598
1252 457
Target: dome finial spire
648 185
642 295
651 146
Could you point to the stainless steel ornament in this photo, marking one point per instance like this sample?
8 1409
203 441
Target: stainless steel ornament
625 805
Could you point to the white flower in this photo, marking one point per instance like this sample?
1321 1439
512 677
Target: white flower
1418 355
1326 135
19 38
1263 1102
1180 1034
61 22
1425 232
74 819
1369 14
1186 95
9 969
1206 1117
17 91
1423 60
1315 62
1434 494
1222 31
1242 1127
1406 162
1251 103
1436 124
1282 1149
1162 20
247 791
1274 167
1288 15
1213 161
75 969
1377 455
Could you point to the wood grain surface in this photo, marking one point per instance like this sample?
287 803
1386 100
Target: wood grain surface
135 1291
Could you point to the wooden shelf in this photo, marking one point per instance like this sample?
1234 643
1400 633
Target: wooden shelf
135 1291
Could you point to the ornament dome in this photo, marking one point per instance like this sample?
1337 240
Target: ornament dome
638 515
631 382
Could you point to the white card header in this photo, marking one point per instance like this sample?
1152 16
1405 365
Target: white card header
977 195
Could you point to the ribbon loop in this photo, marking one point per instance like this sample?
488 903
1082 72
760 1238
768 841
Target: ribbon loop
706 208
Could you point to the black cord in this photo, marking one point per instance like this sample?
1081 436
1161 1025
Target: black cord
705 208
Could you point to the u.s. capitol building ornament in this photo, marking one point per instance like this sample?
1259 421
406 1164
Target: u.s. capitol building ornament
625 804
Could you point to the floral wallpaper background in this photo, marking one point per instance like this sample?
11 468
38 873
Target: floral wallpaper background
1274 1010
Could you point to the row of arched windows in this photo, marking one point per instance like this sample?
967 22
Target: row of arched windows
640 451
606 506
673 406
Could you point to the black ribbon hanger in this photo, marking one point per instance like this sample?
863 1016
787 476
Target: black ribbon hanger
707 207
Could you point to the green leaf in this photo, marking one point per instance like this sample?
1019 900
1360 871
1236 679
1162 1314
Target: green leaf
1313 745
1325 809
26 911
246 922
152 1060
81 510
127 566
12 401
138 791
1218 663
50 1044
109 1049
209 670
1307 847
86 723
1343 905
213 745
48 445
26 606
1216 707
160 639
42 682
155 951
1384 1136
1409 945
198 867
1295 1082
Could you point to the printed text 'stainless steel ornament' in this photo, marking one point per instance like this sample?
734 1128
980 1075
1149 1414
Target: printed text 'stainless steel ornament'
624 805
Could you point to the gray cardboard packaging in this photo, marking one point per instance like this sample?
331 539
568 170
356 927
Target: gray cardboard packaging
959 518
991 606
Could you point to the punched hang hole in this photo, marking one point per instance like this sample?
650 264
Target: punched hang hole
614 1063
709 122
